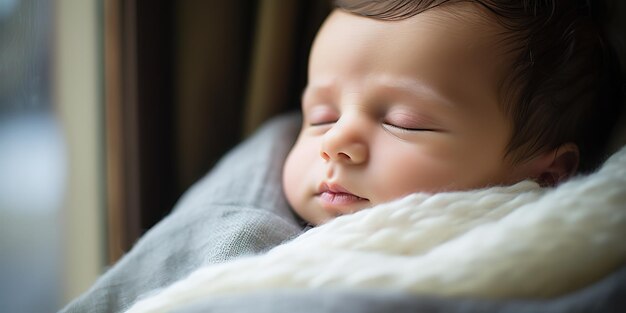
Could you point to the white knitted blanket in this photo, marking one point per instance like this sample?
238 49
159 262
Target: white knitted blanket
520 241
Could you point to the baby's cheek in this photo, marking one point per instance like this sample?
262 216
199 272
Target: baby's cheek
296 172
290 172
419 174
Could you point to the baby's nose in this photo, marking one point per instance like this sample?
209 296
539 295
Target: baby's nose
344 143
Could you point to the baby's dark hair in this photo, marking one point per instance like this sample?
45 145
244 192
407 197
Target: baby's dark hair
564 83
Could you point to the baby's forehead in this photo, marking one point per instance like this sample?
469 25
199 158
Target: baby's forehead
464 27
478 36
482 31
466 19
442 47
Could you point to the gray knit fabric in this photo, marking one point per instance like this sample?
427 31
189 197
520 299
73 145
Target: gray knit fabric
237 209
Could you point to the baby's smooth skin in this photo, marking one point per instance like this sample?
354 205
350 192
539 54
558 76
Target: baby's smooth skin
397 107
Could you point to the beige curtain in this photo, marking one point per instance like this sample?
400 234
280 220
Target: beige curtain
272 62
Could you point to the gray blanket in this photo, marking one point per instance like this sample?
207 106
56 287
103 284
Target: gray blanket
238 209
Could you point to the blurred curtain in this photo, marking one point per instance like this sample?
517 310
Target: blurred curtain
186 81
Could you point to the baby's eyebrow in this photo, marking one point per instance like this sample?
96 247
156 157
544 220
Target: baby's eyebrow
404 84
412 86
326 86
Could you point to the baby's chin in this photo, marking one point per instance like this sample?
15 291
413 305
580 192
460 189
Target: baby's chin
318 215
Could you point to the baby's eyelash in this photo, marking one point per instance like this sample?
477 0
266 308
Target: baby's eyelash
407 128
322 123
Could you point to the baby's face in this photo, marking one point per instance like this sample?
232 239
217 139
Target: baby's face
393 108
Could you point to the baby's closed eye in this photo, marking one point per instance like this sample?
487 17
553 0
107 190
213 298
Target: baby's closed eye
407 121
321 115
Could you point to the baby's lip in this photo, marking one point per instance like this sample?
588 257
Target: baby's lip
337 200
336 189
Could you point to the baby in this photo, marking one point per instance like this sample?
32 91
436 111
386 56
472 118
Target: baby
432 96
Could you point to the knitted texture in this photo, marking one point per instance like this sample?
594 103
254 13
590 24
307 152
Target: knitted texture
512 242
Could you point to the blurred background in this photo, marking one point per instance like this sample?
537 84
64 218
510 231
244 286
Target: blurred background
111 109
51 161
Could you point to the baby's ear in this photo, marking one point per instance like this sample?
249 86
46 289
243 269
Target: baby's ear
558 165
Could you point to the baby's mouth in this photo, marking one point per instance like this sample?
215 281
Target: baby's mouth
339 198
334 197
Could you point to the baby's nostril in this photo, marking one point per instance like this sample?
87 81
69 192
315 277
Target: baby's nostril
343 156
325 156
